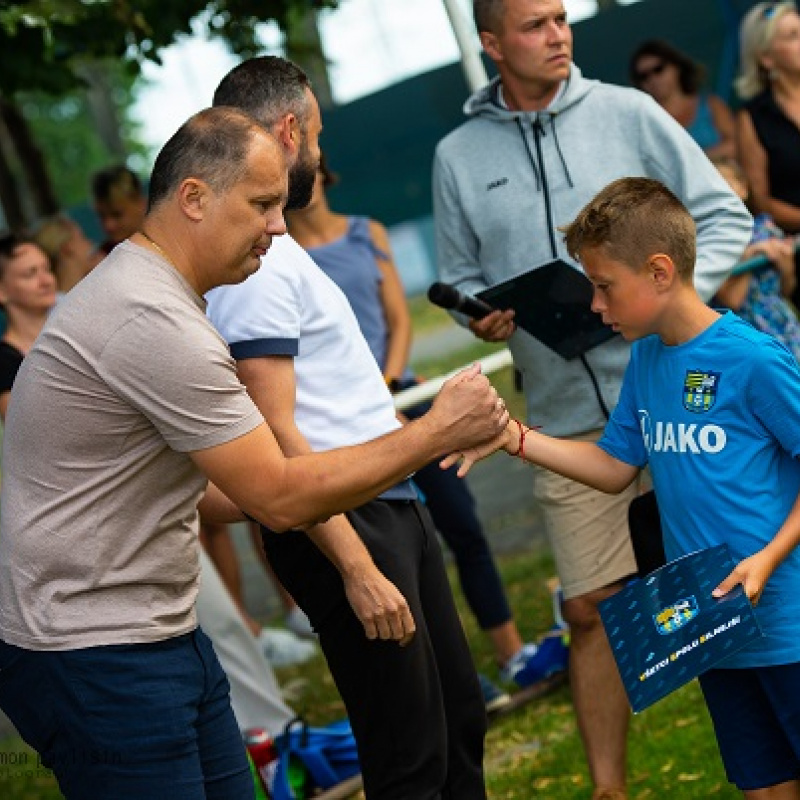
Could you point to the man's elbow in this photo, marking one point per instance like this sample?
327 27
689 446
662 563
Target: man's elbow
283 520
278 521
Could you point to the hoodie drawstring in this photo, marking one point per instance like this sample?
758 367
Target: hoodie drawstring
558 150
530 154
537 163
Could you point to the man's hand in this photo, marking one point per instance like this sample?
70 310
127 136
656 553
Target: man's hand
467 412
379 606
495 327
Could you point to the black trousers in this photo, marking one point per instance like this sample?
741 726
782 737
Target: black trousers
417 711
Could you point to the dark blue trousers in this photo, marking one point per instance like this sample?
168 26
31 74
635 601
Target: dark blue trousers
129 721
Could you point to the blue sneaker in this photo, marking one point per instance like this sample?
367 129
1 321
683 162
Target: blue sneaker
534 662
493 696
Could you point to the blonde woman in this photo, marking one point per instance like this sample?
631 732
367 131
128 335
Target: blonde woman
768 126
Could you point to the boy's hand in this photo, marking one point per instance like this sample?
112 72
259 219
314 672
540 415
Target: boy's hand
753 573
467 458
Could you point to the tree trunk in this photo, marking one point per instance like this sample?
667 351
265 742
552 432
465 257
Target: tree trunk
304 47
13 210
105 114
30 158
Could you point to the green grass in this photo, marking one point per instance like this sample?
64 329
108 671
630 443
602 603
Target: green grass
537 752
533 753
425 316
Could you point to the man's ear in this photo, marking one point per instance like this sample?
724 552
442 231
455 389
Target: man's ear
490 45
662 271
287 132
193 196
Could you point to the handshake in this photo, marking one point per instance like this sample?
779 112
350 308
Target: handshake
471 421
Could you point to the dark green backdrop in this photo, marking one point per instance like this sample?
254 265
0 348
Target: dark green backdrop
382 145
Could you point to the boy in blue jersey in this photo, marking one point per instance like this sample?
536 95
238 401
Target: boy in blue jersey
713 407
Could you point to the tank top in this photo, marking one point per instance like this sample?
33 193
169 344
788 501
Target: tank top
780 137
702 128
351 262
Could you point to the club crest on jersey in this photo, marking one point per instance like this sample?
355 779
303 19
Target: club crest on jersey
700 390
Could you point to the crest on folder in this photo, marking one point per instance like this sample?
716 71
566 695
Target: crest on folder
675 616
700 390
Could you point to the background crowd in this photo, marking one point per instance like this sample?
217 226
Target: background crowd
749 142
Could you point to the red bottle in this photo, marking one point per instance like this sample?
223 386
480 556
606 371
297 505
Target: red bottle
265 757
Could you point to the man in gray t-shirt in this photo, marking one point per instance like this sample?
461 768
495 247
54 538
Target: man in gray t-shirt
123 410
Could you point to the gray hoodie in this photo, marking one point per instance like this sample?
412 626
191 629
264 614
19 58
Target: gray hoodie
504 181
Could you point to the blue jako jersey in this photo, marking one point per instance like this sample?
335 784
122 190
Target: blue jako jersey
718 421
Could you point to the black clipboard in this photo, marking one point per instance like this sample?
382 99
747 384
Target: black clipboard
552 303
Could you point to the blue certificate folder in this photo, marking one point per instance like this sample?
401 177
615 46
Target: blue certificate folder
666 628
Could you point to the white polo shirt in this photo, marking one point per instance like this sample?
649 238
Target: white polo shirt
290 307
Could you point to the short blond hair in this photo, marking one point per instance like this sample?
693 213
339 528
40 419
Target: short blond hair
633 219
756 32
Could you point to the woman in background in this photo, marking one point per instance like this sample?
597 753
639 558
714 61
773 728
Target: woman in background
27 294
675 82
768 126
760 295
72 254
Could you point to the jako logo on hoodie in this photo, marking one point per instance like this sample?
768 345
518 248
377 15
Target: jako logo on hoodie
496 184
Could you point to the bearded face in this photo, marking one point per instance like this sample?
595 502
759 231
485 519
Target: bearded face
301 177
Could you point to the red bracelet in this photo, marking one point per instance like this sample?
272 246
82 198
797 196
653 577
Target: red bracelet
523 432
520 451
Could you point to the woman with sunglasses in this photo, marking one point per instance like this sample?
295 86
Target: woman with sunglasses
674 81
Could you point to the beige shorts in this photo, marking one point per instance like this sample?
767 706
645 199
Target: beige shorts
587 529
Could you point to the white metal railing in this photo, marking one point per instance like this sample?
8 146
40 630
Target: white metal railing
427 390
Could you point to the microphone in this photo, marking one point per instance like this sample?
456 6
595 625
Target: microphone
446 296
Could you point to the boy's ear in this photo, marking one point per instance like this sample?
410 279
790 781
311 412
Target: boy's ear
662 271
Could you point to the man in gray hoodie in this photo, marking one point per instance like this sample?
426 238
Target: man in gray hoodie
540 141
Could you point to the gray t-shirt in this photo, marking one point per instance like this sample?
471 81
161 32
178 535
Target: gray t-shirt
98 519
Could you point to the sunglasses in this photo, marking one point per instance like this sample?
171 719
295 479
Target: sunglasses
769 11
643 74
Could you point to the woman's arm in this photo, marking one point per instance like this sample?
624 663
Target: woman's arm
722 119
395 308
733 292
755 164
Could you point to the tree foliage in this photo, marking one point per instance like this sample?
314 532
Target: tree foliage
43 42
71 145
